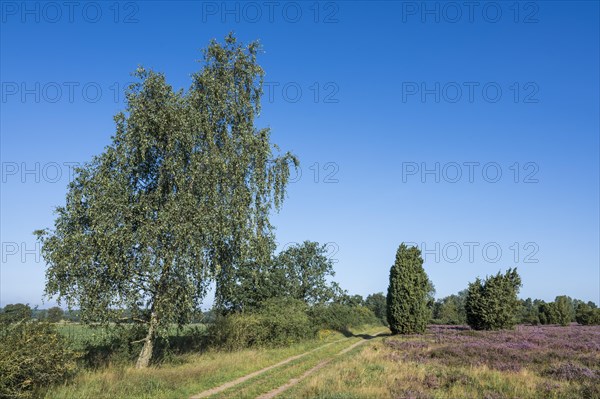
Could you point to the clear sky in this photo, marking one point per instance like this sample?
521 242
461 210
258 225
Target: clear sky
468 128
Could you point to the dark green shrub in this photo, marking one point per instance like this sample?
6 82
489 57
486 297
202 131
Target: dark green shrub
408 293
236 331
529 312
33 356
450 310
558 312
493 304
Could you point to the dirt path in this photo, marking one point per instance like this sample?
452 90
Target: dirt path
238 381
294 381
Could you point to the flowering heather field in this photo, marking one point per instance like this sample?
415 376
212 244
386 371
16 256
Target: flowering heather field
456 362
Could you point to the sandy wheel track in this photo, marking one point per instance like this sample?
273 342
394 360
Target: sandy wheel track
247 377
277 391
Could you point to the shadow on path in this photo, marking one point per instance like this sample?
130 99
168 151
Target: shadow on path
349 334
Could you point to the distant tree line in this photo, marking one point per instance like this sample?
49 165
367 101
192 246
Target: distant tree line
563 310
13 313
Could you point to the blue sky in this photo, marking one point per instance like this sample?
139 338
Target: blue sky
472 131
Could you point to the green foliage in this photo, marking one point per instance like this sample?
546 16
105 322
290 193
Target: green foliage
33 356
183 193
117 344
529 313
350 300
587 315
451 309
13 313
55 314
409 293
340 317
300 271
378 305
561 311
286 321
277 322
564 309
548 313
493 304
282 321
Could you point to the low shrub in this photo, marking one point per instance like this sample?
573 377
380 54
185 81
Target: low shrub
277 322
33 356
236 331
335 316
286 321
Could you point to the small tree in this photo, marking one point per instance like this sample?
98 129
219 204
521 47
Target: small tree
493 304
408 293
304 271
377 304
54 314
350 300
564 309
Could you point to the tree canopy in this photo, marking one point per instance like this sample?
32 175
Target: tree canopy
300 271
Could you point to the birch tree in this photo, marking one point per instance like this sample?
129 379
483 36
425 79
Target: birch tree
184 189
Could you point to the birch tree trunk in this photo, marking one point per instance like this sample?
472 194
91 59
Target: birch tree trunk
145 356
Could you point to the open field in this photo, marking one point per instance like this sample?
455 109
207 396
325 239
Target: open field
80 334
455 362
